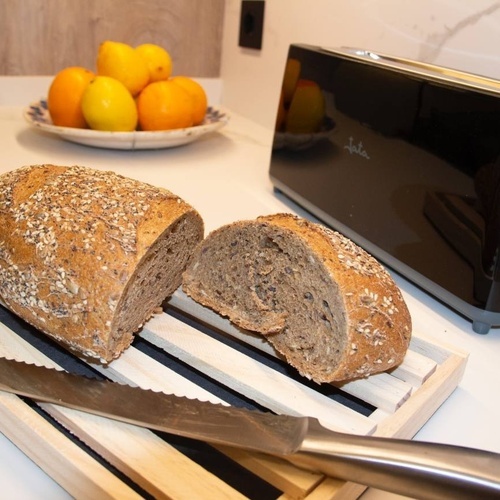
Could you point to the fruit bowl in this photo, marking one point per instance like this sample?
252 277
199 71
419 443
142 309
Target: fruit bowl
38 116
297 142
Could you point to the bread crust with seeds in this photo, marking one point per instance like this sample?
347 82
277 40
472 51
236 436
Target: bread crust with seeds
87 256
325 304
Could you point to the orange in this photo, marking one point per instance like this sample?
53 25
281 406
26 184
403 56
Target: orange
65 96
164 105
281 114
198 94
290 79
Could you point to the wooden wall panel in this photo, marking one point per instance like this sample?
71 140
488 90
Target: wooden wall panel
40 37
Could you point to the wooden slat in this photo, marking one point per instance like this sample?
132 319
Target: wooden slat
68 464
297 483
349 491
381 390
411 416
135 451
429 349
11 345
182 302
441 368
404 400
379 415
416 368
144 457
137 369
327 489
386 391
406 422
249 377
433 372
133 368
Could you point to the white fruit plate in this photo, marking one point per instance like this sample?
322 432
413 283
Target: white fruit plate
38 116
297 142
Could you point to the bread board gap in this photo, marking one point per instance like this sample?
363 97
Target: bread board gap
195 375
224 467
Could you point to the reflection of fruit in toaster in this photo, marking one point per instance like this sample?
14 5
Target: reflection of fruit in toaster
290 79
281 116
307 109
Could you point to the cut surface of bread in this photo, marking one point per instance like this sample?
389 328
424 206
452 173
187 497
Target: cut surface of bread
325 304
87 256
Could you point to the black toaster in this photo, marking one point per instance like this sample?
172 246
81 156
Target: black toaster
404 161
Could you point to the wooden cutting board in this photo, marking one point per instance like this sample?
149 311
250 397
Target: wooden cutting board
190 351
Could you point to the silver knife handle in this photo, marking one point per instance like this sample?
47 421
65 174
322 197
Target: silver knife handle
411 468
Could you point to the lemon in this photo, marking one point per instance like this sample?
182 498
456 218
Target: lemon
108 105
307 109
158 61
121 61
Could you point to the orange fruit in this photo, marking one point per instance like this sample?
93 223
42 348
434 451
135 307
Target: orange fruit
65 96
281 114
198 94
290 79
164 105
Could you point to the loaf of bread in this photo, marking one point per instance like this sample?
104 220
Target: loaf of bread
327 306
87 256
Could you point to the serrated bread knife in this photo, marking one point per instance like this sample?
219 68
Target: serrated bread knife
411 468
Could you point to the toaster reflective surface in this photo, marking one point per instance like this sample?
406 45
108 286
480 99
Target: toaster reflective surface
410 170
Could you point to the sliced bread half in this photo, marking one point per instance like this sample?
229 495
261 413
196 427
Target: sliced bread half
325 304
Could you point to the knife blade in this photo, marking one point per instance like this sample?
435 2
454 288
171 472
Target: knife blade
411 468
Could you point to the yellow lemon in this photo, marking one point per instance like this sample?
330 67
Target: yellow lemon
121 61
198 95
307 109
108 105
158 61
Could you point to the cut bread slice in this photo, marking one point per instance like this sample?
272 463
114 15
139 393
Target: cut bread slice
325 304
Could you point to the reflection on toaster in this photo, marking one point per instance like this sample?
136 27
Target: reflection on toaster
301 119
472 229
406 165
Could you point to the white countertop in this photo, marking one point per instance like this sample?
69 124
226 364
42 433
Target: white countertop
225 176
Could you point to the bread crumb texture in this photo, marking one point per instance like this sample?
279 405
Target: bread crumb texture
324 303
87 256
